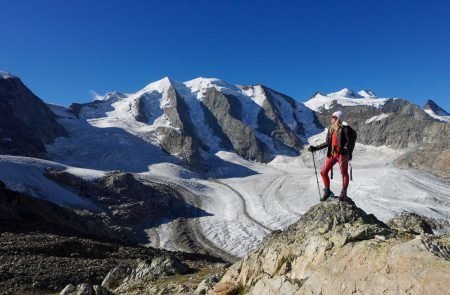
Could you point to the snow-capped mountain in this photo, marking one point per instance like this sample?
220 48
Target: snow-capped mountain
195 119
380 121
435 111
344 97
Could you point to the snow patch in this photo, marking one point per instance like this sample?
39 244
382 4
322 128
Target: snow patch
286 110
86 174
6 75
377 118
256 93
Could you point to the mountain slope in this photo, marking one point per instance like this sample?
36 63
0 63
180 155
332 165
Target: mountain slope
26 123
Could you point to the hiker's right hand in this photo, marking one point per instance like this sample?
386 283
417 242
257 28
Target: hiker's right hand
312 148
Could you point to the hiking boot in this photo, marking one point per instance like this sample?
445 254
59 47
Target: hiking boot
343 195
326 194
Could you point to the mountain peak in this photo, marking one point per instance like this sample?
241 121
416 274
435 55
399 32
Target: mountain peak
367 93
201 84
431 105
316 94
160 85
345 92
435 111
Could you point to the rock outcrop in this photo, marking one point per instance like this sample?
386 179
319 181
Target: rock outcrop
339 249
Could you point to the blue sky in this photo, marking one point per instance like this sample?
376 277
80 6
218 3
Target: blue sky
64 49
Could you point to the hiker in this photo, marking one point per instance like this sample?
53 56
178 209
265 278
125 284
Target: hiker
339 143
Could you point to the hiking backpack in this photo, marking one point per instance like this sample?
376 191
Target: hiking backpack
352 140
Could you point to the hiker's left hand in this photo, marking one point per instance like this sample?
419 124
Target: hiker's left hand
312 148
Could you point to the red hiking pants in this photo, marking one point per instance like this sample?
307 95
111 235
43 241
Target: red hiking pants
329 163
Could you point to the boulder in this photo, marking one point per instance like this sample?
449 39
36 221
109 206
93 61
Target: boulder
411 223
115 277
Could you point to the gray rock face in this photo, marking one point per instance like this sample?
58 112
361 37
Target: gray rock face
180 139
178 112
335 249
406 124
227 111
26 123
178 144
270 122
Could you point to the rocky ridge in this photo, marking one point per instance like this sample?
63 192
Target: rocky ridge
26 122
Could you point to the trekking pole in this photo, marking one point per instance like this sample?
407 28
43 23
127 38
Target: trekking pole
317 178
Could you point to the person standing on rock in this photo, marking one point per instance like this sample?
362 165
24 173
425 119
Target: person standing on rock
339 151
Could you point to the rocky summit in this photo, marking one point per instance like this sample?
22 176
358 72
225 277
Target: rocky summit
340 249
